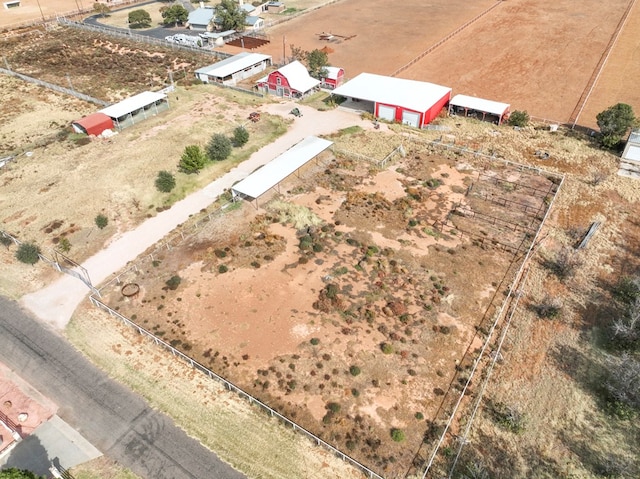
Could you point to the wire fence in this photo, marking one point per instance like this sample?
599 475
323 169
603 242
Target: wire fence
58 88
136 37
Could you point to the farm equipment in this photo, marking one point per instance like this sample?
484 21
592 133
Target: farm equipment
296 112
329 37
254 116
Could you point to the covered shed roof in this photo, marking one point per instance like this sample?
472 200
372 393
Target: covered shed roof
298 76
333 72
131 104
93 124
262 180
233 64
410 94
480 104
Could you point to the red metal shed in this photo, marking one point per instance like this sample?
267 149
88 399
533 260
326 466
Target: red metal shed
93 124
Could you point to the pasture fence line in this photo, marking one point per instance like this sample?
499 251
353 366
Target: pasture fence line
52 86
380 164
289 17
61 263
240 89
136 37
443 40
235 389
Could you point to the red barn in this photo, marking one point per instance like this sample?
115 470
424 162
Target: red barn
334 77
410 102
93 124
290 81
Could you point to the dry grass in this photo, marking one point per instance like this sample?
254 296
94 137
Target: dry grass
297 215
102 468
120 18
240 434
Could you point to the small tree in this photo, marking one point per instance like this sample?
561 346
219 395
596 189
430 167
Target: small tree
174 14
5 241
101 221
219 147
317 61
13 473
192 159
165 181
139 19
64 245
240 136
173 282
622 384
519 118
101 9
28 253
614 122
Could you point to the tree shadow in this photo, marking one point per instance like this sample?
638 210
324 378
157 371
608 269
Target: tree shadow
30 454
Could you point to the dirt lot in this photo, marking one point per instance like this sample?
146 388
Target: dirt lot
33 10
357 319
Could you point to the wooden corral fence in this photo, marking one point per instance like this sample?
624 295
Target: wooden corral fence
380 164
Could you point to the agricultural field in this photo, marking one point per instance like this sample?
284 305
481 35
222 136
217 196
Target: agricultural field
355 302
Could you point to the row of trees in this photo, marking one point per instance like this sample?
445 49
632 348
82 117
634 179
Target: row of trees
228 16
194 158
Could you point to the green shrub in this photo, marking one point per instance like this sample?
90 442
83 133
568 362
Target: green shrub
173 282
165 181
28 253
192 160
519 118
219 147
223 268
315 341
398 435
101 221
240 136
64 245
354 370
332 290
627 289
419 416
5 241
387 348
306 242
334 407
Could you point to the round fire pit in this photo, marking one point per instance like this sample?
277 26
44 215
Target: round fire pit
130 290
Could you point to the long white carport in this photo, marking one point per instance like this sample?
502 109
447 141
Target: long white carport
271 174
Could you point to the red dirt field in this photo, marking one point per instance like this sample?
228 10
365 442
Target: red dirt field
618 81
384 39
538 56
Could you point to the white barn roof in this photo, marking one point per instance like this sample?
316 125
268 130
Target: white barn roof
480 104
410 94
332 72
262 180
632 153
131 104
233 64
298 76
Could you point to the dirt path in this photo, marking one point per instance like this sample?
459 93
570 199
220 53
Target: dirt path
56 303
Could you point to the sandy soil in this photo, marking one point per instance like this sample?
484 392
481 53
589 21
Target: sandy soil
261 339
34 10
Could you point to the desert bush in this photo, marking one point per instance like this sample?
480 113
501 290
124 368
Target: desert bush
5 241
28 253
622 384
565 263
397 435
625 329
192 160
64 245
614 122
519 118
354 370
548 308
223 268
419 416
387 348
334 407
219 147
332 290
165 181
475 470
315 341
101 221
173 282
508 417
627 289
240 136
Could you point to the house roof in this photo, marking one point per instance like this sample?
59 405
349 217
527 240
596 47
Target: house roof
298 76
215 35
201 16
634 136
260 181
233 64
251 20
332 72
247 7
480 104
95 123
410 94
131 104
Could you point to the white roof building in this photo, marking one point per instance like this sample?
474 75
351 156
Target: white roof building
262 180
140 106
297 80
235 68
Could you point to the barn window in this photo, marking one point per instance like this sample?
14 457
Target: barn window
278 81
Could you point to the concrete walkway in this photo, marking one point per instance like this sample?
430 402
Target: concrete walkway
56 303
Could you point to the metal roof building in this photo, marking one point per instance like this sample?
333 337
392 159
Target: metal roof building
472 106
630 161
233 69
271 174
410 102
136 108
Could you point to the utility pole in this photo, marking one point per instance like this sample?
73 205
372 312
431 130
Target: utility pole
40 8
284 56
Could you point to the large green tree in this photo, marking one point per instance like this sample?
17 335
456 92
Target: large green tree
139 19
174 15
230 15
101 9
614 122
219 147
192 160
317 61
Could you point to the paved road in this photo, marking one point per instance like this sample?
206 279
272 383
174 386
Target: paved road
114 419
